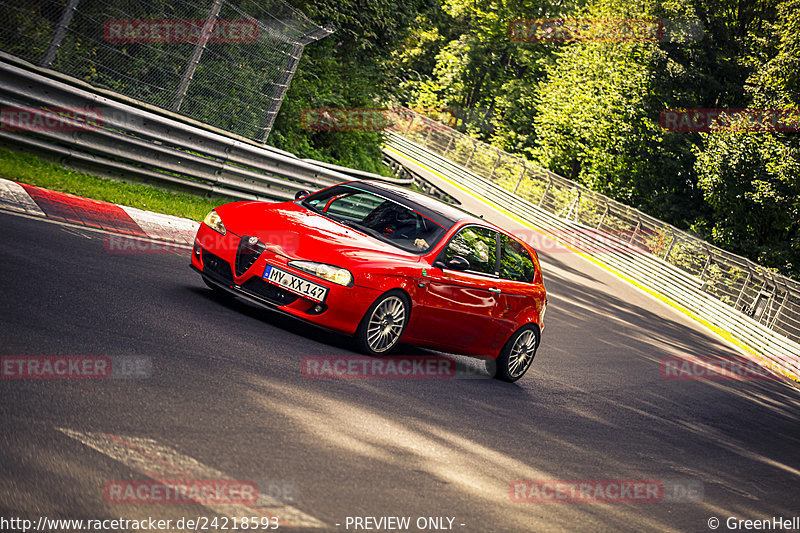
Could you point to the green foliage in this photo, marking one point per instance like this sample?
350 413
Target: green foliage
751 179
349 69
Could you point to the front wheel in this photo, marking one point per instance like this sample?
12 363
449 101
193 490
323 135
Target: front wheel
517 354
383 323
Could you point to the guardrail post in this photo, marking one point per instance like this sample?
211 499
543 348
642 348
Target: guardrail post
194 59
59 34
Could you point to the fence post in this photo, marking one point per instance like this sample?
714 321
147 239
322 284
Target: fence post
602 217
469 159
635 230
780 309
671 244
427 136
572 205
521 175
413 116
744 286
59 34
496 164
449 144
705 266
282 85
197 53
546 189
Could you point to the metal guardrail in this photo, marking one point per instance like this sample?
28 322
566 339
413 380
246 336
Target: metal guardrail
620 250
125 140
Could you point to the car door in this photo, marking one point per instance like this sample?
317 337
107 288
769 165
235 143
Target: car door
458 306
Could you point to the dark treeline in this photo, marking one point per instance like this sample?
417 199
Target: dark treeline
588 109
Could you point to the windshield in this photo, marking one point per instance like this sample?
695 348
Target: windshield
378 217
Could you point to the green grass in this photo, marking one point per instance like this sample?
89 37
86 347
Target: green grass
27 168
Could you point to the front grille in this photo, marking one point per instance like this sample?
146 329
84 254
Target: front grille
217 265
269 292
247 253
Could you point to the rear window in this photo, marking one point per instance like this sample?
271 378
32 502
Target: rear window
516 263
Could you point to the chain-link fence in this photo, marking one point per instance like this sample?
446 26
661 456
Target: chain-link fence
225 63
769 298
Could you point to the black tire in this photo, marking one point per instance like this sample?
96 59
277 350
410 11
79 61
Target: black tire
383 324
522 344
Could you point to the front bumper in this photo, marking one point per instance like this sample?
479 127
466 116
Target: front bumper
229 263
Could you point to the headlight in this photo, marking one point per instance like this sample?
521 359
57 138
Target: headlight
332 273
213 221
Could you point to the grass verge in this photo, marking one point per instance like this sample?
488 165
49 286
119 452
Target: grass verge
30 169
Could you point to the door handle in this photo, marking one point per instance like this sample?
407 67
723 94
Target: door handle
495 290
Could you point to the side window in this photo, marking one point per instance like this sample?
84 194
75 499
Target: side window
477 245
515 263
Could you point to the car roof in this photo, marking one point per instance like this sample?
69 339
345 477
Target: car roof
441 213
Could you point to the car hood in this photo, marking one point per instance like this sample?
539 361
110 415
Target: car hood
298 233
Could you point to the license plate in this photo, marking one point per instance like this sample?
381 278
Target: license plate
295 284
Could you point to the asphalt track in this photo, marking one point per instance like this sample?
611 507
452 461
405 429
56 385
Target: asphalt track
226 390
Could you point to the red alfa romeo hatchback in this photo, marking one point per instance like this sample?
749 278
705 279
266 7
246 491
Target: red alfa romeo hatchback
385 265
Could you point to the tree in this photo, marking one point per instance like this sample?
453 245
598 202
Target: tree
751 179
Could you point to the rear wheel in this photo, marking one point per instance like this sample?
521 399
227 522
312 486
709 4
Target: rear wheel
517 354
383 323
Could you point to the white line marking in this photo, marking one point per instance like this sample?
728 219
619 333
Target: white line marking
162 463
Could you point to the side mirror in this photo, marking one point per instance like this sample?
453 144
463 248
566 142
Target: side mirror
301 194
457 263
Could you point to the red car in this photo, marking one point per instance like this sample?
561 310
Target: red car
383 264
